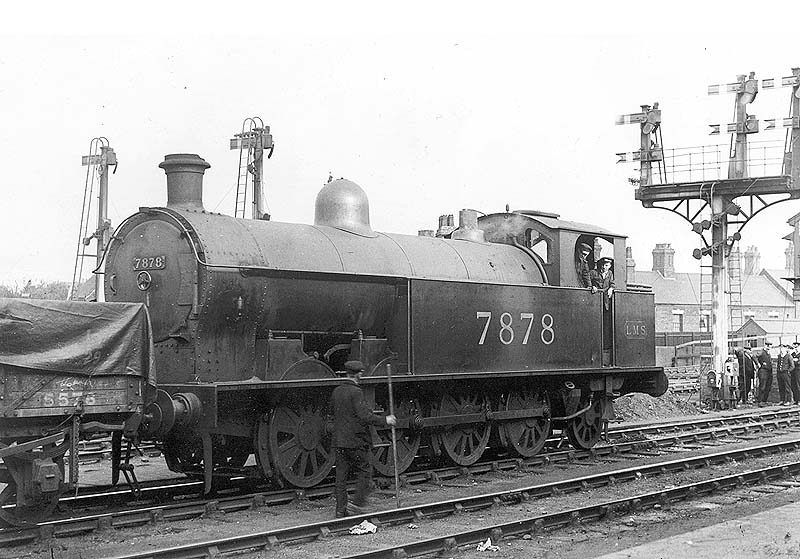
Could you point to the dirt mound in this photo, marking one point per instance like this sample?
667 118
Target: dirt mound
635 407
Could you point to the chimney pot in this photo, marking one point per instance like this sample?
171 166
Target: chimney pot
184 180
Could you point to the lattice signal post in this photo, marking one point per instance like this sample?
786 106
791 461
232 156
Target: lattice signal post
251 143
732 201
98 163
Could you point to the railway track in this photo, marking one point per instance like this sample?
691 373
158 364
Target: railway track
592 513
241 495
531 525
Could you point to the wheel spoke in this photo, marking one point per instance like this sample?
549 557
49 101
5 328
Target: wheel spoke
303 469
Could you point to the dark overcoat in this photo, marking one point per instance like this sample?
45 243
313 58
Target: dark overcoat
352 417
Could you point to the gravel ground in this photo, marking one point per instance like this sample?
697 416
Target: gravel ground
582 541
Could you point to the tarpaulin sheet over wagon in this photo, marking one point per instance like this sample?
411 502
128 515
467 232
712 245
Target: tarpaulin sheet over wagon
76 337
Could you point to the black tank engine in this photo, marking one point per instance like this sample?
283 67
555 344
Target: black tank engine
490 341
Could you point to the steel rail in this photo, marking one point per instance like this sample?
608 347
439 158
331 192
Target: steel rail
154 512
417 513
609 509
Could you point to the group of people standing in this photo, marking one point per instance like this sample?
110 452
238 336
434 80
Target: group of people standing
756 372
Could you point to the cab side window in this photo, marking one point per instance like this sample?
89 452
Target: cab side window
539 244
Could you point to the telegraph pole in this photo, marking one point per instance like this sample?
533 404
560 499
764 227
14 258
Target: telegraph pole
103 232
719 275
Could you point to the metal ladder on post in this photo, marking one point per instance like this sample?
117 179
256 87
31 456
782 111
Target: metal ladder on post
101 157
247 151
706 294
735 288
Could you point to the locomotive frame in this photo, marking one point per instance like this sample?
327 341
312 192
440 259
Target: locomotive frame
490 343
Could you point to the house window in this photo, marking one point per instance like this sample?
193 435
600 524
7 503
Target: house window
774 315
677 321
705 321
748 315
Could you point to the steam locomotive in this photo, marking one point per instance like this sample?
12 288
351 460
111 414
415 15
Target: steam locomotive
490 338
486 332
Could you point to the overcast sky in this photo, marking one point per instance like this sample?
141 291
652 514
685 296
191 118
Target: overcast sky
430 111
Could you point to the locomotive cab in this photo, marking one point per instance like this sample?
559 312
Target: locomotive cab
627 338
555 242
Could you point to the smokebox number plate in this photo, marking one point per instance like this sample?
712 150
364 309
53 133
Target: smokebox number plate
149 263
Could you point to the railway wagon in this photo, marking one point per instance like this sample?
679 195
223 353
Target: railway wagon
490 341
67 369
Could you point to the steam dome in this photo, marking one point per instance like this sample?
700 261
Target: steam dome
344 205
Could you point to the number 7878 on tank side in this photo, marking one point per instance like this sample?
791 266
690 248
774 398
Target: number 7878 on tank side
491 338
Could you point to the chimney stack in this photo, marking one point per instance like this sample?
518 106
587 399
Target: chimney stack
630 265
184 180
446 225
752 261
663 259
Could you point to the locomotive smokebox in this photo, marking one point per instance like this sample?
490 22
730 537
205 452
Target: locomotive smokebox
184 180
344 205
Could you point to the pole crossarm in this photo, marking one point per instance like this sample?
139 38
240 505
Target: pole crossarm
730 188
689 201
732 201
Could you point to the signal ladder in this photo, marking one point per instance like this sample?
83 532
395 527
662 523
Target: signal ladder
734 291
251 143
101 157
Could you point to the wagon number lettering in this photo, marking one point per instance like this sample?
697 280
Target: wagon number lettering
62 399
149 263
506 331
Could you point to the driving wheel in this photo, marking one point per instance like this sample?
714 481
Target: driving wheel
408 440
299 446
525 437
465 442
584 431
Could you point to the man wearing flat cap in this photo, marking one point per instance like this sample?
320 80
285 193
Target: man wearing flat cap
764 361
352 418
603 280
795 378
584 268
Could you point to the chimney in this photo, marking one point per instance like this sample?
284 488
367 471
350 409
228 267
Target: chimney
630 265
663 259
789 252
184 180
752 261
446 225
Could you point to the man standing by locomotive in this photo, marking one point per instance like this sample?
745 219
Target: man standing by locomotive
352 440
785 366
795 377
764 360
746 371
